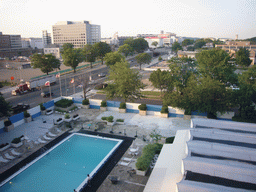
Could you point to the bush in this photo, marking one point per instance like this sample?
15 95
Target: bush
187 112
169 140
26 114
73 108
119 120
143 107
110 118
103 104
148 153
164 109
104 118
3 145
64 103
85 102
7 123
16 140
240 119
67 116
42 108
122 106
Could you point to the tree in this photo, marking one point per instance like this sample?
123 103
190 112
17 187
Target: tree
5 107
113 57
187 42
72 57
176 46
160 58
102 49
125 49
47 63
243 57
89 53
126 82
190 48
199 44
143 58
161 80
139 45
215 63
155 43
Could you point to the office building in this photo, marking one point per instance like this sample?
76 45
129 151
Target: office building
46 38
78 33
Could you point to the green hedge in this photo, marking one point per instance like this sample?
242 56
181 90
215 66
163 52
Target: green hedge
122 106
148 152
103 104
64 103
164 109
143 107
120 120
26 114
85 102
169 140
110 118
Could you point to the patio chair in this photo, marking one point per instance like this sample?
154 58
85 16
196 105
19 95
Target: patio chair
47 138
128 159
114 179
41 141
15 153
51 134
124 163
2 160
134 151
7 156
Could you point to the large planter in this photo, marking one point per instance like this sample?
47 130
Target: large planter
111 123
187 117
68 120
4 148
142 173
16 145
103 108
143 113
65 109
28 119
59 121
49 112
9 128
119 123
75 118
86 106
122 110
164 115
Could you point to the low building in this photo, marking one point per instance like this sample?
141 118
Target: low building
54 51
189 54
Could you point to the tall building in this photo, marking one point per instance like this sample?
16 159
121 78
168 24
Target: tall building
78 33
4 41
47 39
15 41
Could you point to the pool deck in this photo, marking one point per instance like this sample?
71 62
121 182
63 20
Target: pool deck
89 120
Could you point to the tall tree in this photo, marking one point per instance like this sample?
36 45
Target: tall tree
187 42
154 43
47 63
5 107
89 53
112 58
102 49
243 57
215 63
143 58
72 57
199 44
125 49
176 46
126 82
139 45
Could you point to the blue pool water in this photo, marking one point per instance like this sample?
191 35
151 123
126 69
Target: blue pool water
65 167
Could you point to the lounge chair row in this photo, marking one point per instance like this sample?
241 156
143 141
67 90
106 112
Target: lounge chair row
13 155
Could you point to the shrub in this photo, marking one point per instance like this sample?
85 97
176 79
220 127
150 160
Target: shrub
169 140
16 140
164 109
187 112
59 110
104 118
26 114
110 118
64 103
148 153
73 108
42 108
85 102
119 120
67 116
103 104
7 123
3 145
143 107
122 106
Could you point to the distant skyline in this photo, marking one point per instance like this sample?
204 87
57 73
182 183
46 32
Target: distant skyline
190 18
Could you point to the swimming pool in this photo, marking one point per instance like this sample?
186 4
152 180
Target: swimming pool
65 166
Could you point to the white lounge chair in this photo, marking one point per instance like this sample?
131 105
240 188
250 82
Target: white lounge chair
41 141
3 160
47 138
58 130
7 156
124 163
15 153
128 159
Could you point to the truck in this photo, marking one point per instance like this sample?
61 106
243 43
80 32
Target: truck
20 108
33 85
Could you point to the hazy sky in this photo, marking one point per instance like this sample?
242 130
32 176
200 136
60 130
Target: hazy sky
191 18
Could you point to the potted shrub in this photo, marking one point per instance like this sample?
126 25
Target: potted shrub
104 118
67 118
110 120
164 111
4 146
103 106
27 117
86 104
59 121
8 125
16 142
143 109
122 108
64 104
43 109
187 114
120 121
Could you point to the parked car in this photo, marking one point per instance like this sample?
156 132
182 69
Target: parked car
47 94
20 108
101 74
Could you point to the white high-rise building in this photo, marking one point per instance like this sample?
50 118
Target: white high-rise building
78 33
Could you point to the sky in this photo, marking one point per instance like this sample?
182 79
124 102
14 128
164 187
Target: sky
189 18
